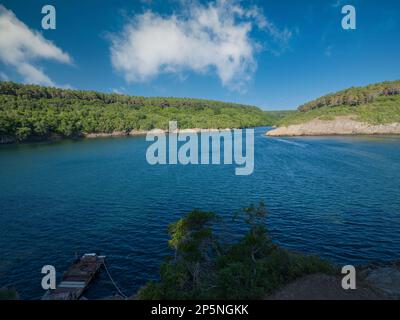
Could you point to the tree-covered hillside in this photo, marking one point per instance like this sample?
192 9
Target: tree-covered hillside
354 96
30 111
375 104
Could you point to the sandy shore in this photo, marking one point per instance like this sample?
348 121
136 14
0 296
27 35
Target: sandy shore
343 125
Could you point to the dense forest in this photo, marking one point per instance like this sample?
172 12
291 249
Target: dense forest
30 111
354 96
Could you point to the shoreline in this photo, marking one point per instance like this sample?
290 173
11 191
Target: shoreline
340 126
139 133
96 135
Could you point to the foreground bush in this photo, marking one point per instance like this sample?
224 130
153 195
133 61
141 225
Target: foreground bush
203 268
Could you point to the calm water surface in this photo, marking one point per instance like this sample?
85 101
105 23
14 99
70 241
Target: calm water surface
336 197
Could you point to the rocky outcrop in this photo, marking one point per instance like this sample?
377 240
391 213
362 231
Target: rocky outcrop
343 125
323 287
376 281
385 279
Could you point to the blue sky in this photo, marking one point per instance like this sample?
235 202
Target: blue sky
272 54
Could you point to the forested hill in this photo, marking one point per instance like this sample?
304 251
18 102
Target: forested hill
354 96
374 104
30 111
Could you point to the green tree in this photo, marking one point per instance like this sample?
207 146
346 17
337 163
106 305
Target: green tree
203 268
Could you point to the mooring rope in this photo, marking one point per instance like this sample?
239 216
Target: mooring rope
113 282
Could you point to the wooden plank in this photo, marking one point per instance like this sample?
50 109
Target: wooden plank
77 278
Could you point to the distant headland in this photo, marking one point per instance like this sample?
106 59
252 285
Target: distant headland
373 109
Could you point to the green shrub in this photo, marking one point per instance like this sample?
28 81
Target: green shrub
203 268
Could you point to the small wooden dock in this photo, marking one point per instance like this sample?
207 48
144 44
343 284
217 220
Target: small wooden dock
77 278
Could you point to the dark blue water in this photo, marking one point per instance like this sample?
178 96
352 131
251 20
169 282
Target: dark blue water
335 197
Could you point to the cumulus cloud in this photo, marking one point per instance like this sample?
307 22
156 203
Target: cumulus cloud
214 37
21 48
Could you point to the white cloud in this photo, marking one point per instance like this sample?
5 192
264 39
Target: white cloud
214 37
20 47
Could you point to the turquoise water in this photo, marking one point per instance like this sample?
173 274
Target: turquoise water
337 197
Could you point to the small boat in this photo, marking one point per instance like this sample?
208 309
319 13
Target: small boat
77 278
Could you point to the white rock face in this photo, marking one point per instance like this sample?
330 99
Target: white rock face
343 125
